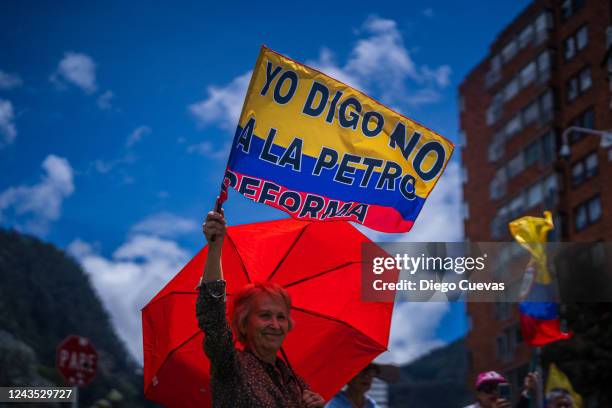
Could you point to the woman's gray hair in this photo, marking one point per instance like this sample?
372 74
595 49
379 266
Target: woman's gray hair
244 301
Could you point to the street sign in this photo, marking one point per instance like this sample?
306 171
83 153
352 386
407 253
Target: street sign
76 360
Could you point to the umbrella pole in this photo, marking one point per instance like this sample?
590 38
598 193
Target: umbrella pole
221 199
291 369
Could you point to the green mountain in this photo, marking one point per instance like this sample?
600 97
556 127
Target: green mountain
434 380
44 297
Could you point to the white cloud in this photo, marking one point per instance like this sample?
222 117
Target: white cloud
105 166
78 69
422 97
207 149
137 135
8 131
166 225
35 206
413 331
428 12
105 100
127 280
379 64
327 64
382 56
9 81
223 104
440 219
440 75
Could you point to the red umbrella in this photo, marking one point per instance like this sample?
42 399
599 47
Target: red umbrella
335 335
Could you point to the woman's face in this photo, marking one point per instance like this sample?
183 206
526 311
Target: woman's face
267 324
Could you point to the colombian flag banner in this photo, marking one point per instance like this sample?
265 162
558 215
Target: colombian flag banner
539 311
320 150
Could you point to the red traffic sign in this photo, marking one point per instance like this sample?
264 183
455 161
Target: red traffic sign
76 360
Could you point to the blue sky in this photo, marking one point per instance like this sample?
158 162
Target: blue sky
115 119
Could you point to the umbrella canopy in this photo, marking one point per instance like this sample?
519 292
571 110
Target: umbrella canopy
319 264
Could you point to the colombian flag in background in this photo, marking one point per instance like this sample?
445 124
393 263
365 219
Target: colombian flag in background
539 311
320 150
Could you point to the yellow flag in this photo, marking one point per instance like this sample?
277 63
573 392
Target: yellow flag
531 233
557 379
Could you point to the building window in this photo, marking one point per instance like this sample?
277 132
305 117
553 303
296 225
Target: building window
511 89
569 48
532 153
579 84
578 173
503 308
575 43
494 73
548 147
496 151
534 195
516 206
547 105
549 186
543 62
594 209
582 38
572 89
528 74
494 111
570 7
526 36
585 79
530 113
542 24
515 165
584 169
502 347
590 165
497 188
509 51
506 343
513 126
586 120
587 213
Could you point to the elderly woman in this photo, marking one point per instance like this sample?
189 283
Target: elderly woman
256 376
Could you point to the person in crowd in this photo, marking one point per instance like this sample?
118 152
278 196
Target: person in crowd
354 396
488 387
559 398
254 376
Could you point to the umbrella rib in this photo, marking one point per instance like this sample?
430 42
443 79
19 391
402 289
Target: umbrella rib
278 265
161 367
180 292
177 292
333 319
335 268
248 278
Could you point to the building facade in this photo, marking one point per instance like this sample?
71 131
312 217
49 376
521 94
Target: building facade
549 69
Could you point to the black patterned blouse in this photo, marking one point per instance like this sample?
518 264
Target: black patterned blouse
239 378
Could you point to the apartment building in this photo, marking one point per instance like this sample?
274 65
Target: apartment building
548 70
